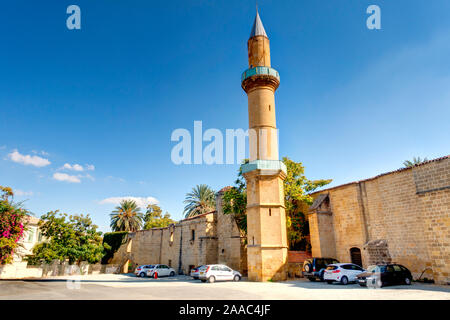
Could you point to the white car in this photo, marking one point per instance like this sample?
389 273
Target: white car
195 272
141 271
342 272
162 270
218 272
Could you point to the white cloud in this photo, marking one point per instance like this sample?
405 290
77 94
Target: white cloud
142 202
28 160
21 193
66 177
77 167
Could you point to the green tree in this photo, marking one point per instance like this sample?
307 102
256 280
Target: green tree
297 189
127 217
200 200
155 219
12 225
409 163
69 237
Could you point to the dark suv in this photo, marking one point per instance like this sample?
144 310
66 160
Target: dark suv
384 274
314 268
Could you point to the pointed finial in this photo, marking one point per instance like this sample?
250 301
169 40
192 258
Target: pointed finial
258 28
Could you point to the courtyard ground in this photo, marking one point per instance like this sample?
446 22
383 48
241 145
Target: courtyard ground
116 286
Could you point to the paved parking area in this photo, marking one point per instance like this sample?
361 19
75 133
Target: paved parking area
94 287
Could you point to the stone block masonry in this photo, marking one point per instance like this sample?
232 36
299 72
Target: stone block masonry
401 216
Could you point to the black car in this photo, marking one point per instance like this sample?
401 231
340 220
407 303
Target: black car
383 275
314 268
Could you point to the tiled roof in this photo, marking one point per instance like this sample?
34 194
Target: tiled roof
386 173
224 189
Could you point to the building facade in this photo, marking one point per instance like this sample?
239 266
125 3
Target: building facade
401 216
204 239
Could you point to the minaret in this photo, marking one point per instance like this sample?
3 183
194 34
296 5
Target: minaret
267 247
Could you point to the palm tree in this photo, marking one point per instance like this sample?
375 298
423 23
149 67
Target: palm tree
200 200
408 163
126 217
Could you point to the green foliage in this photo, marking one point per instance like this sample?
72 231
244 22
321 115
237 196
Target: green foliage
112 242
69 237
11 225
235 203
297 189
127 217
200 200
409 163
154 219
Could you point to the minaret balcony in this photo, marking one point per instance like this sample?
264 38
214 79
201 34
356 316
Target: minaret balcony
264 165
260 76
260 71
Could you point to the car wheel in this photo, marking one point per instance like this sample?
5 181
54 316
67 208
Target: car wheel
212 279
172 274
203 280
308 267
344 280
329 281
236 278
142 274
312 279
408 281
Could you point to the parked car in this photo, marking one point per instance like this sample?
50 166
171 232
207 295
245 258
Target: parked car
314 268
218 272
195 272
162 270
141 271
385 274
342 272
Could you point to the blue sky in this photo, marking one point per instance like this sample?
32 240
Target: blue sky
352 102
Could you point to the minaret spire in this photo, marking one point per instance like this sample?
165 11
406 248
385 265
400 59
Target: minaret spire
258 28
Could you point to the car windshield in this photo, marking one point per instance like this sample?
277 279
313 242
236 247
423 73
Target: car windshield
376 269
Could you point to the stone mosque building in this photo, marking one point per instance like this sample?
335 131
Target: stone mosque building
401 216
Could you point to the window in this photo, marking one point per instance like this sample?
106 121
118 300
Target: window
192 235
269 107
171 236
347 267
31 234
389 269
170 263
215 268
397 268
270 212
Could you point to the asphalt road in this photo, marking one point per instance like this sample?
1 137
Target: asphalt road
111 287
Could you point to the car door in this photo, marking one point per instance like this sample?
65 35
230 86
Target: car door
398 274
389 275
347 270
227 273
356 270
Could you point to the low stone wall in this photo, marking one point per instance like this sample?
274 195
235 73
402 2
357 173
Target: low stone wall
295 263
21 270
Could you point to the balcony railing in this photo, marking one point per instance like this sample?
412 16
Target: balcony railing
260 71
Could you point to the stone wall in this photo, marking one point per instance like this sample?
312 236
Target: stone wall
21 270
205 239
409 209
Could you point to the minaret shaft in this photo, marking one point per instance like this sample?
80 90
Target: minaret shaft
266 219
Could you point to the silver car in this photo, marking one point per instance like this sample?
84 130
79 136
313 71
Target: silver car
161 270
141 271
218 272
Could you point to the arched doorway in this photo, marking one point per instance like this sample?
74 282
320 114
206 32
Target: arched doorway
355 254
